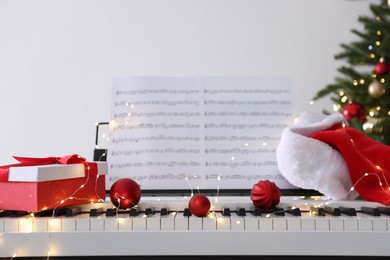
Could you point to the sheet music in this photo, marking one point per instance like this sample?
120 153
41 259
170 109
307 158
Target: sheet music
206 132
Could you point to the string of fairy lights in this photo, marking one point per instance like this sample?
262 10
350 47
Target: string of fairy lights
375 88
73 196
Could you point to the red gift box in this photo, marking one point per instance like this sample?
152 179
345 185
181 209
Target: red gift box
38 184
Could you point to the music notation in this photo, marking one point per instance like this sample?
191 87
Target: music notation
234 138
157 114
156 126
246 102
185 102
154 138
243 126
169 126
150 151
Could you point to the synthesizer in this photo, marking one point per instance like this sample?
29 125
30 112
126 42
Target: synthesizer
164 226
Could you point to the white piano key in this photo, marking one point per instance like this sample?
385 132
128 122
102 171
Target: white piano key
265 223
168 221
236 222
111 223
279 223
195 223
223 222
41 224
139 222
153 222
25 224
11 225
210 222
364 222
251 222
379 224
307 222
293 223
322 223
96 223
181 221
1 225
51 224
125 222
83 222
68 224
336 223
350 223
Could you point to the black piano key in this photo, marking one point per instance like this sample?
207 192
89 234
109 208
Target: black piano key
294 211
332 211
370 211
226 212
279 212
73 211
59 212
348 211
96 212
4 213
257 212
16 213
149 211
187 212
384 210
133 212
164 212
241 212
111 212
51 213
317 211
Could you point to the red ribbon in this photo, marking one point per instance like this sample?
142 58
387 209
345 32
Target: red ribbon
28 161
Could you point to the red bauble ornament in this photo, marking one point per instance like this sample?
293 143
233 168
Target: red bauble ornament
382 68
265 194
125 193
352 110
199 205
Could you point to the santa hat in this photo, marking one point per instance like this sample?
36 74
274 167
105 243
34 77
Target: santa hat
322 153
312 164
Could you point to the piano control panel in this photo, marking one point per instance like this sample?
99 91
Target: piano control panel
165 226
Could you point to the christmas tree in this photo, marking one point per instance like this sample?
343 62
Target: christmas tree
362 92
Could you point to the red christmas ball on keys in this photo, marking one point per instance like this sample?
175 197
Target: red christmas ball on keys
265 195
352 110
125 193
199 205
382 68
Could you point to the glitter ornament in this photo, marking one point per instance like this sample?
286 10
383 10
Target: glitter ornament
125 193
199 205
376 89
381 69
265 194
352 110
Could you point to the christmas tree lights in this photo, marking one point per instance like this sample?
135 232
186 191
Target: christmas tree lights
362 92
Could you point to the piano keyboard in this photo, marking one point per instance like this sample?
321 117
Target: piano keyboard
164 226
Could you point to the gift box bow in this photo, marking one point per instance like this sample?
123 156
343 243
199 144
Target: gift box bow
30 161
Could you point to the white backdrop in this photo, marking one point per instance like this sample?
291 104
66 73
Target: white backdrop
58 58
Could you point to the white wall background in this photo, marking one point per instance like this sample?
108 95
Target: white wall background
58 58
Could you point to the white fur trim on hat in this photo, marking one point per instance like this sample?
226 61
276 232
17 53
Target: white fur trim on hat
311 164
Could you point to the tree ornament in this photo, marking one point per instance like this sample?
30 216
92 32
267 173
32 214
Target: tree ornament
352 110
125 193
382 68
376 89
199 205
265 194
